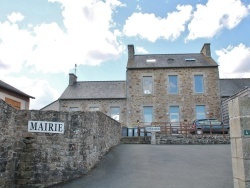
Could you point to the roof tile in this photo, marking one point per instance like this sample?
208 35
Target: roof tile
231 86
95 90
13 89
171 61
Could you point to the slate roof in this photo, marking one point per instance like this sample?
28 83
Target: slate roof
96 90
230 87
171 61
13 89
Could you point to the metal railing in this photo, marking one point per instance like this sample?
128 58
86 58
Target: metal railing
177 128
170 128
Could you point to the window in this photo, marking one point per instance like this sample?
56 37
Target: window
198 84
13 103
147 85
170 60
173 84
200 112
73 109
189 59
94 109
174 114
148 114
151 60
115 113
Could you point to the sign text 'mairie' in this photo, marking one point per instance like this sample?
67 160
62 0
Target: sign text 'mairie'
46 126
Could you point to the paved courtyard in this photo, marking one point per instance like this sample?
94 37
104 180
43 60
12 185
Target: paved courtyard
161 166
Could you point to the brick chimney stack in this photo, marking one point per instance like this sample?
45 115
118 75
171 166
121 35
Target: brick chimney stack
131 51
72 79
206 50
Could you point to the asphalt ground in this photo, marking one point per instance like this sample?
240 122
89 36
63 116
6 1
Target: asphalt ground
161 166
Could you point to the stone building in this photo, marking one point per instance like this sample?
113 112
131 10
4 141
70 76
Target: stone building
158 88
14 97
231 86
231 89
108 97
172 87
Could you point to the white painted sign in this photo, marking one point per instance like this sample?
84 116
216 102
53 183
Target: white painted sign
153 129
46 127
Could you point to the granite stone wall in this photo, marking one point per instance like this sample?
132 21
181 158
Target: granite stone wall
9 146
239 115
104 106
161 99
179 139
42 159
131 108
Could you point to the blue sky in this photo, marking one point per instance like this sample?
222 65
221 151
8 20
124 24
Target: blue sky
42 40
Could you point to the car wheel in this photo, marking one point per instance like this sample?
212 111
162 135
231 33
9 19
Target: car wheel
199 131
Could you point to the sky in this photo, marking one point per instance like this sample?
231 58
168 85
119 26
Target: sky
42 41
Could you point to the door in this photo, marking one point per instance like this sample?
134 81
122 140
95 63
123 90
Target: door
13 103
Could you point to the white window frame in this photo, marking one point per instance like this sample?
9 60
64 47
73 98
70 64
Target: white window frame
177 84
203 113
94 108
115 107
152 114
143 87
73 109
173 114
203 88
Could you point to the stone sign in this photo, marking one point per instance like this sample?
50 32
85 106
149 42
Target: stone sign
153 129
46 126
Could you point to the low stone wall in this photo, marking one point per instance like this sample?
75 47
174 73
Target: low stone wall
8 146
194 139
43 159
239 114
179 139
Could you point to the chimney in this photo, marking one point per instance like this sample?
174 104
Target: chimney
206 50
72 79
131 51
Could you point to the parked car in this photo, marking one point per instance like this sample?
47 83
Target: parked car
201 126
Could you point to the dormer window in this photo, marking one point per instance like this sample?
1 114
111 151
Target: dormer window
170 60
189 59
151 60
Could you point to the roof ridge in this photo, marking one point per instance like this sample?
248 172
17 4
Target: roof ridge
234 78
14 89
104 81
169 54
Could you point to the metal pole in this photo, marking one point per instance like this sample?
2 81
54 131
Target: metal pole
138 132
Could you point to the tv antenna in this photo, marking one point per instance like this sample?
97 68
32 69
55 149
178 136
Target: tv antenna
75 68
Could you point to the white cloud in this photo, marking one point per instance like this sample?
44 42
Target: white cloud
3 66
15 17
234 61
43 92
15 46
208 20
150 27
139 49
87 38
40 89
